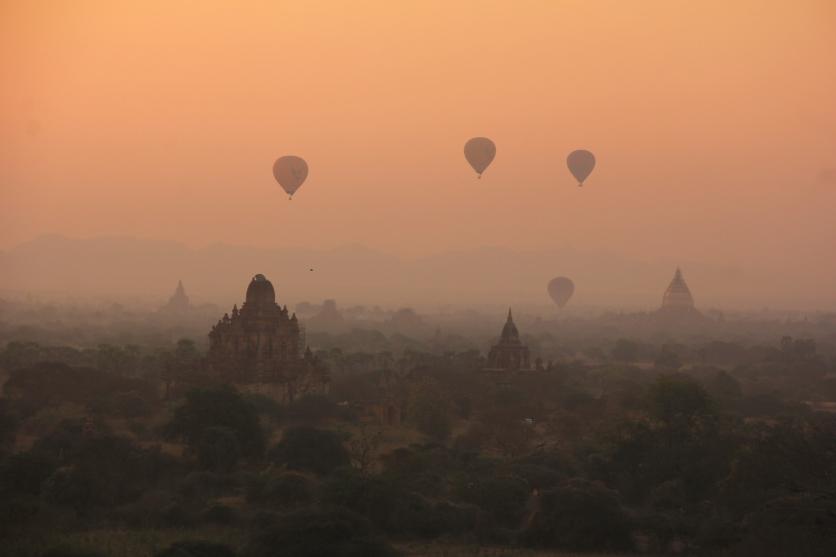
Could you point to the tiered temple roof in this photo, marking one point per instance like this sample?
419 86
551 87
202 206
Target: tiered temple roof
262 344
179 301
509 353
677 300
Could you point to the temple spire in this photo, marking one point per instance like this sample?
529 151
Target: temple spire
677 295
179 301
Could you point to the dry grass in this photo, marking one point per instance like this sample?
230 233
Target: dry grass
144 543
443 550
117 543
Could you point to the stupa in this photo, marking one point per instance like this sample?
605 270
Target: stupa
677 301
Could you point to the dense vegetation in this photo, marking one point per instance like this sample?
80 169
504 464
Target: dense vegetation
704 446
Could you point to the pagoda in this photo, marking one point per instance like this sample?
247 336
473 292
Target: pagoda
677 300
509 354
179 301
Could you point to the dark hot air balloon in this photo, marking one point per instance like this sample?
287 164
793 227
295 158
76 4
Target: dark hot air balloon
290 172
561 289
479 152
580 163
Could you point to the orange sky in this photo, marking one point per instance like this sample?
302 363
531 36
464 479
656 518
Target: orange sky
714 124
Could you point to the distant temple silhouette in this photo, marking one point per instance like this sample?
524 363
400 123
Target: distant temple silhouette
509 354
179 301
677 301
263 349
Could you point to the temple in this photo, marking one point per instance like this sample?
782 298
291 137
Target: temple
179 302
677 300
262 349
509 354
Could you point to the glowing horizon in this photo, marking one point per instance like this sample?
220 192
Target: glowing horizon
713 126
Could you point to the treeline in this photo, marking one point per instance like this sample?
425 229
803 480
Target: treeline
583 457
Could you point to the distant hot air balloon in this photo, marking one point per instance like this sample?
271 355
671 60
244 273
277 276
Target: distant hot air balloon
561 289
479 152
581 163
290 172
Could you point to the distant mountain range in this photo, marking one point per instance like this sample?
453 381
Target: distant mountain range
148 270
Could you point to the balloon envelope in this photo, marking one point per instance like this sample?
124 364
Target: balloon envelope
560 290
479 152
290 172
580 163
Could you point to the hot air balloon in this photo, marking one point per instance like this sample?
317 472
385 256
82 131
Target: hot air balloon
290 172
581 163
561 289
479 152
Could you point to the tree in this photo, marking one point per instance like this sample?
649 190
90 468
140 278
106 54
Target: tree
310 449
625 351
218 448
23 474
8 427
217 407
798 524
677 396
314 533
431 414
503 496
311 409
103 471
668 359
284 490
52 382
363 446
579 516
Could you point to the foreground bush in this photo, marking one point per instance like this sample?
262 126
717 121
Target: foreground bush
395 510
579 516
310 449
802 524
221 407
284 490
316 533
196 549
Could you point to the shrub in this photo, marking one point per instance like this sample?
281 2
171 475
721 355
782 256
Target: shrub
312 409
218 407
319 532
801 524
220 514
218 448
105 471
675 396
431 414
310 449
130 405
23 474
503 497
579 516
196 549
66 551
394 509
287 490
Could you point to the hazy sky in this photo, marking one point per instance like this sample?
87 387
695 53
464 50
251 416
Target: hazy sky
714 124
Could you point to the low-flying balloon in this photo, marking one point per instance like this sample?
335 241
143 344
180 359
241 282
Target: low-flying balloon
290 172
561 289
580 163
479 152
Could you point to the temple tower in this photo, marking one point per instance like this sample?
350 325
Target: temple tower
509 353
261 345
